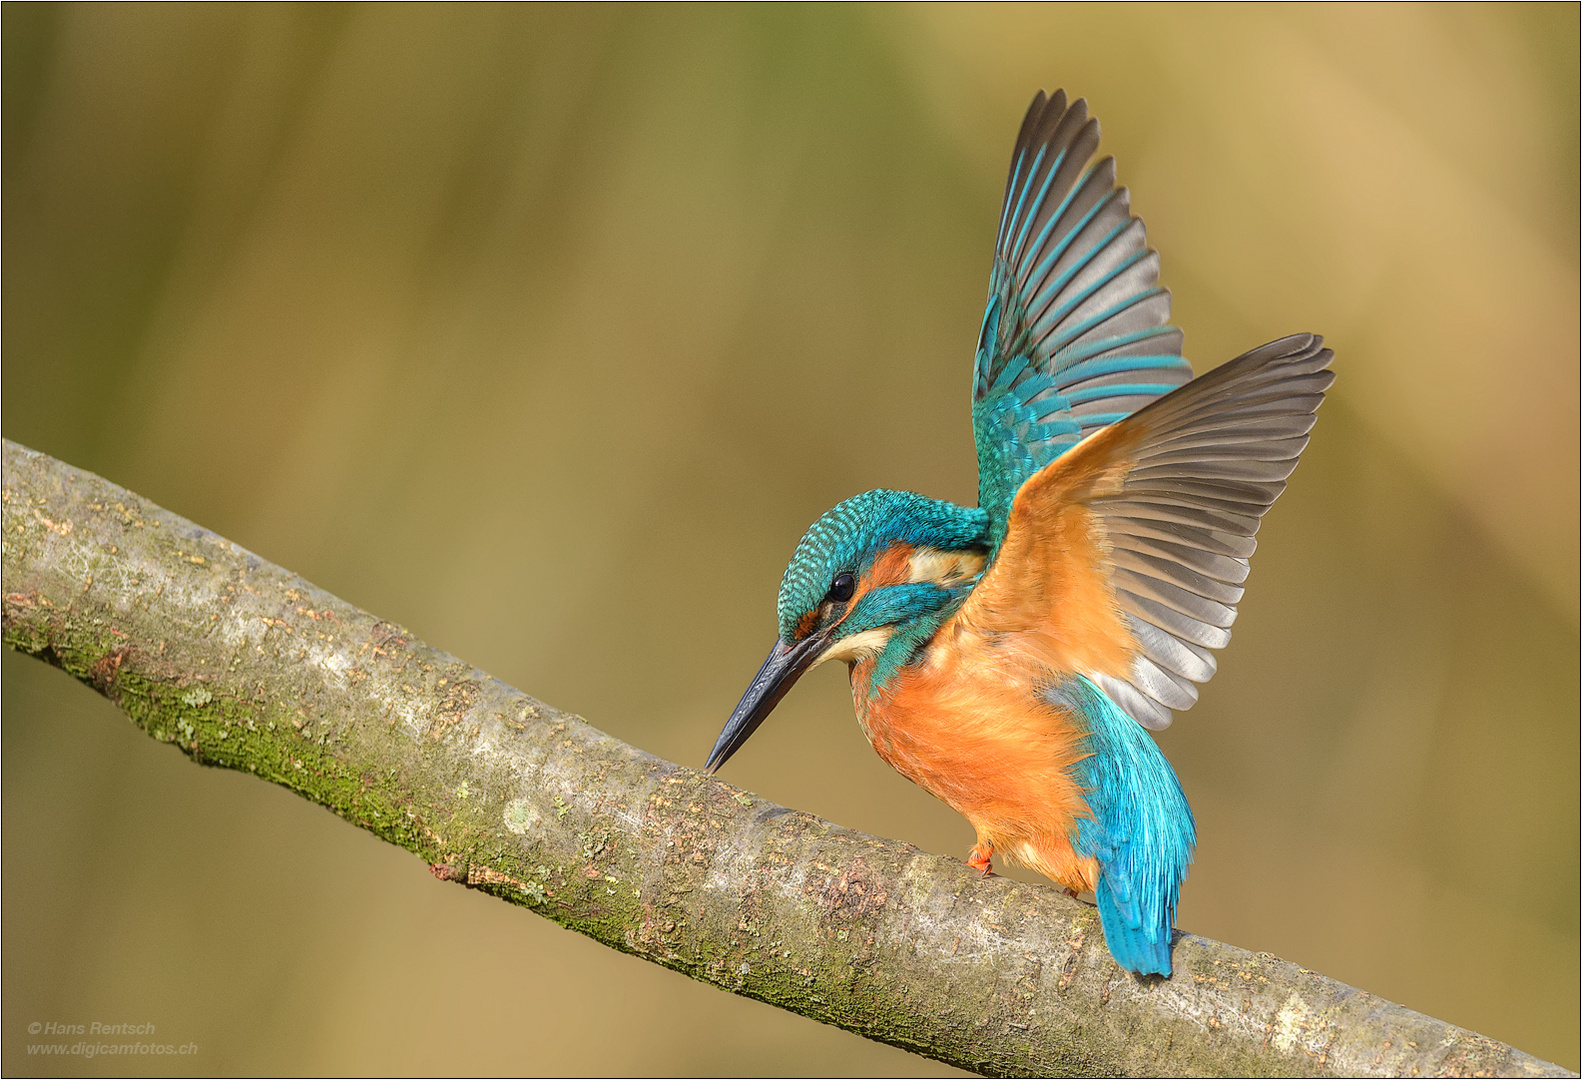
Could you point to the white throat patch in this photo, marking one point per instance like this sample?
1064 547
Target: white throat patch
868 644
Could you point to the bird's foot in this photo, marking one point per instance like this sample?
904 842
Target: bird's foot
1073 893
979 859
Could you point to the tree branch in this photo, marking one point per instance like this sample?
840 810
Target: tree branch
244 665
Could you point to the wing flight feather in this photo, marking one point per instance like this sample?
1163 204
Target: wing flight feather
1126 556
1076 334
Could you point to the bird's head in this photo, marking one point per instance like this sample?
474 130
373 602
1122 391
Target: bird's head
874 576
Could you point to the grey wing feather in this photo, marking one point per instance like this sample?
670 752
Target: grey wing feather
1215 456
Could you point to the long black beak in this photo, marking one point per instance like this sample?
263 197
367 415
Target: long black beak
785 665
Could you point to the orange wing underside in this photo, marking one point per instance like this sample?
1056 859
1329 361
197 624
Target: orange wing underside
1049 589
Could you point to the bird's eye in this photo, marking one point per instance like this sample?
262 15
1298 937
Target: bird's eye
842 587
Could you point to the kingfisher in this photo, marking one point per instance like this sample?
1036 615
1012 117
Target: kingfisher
1011 658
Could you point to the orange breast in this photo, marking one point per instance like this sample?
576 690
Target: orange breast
969 725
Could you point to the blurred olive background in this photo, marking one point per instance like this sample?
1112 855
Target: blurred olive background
546 331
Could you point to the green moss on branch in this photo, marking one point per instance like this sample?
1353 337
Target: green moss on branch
244 665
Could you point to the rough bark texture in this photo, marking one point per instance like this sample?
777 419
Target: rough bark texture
244 665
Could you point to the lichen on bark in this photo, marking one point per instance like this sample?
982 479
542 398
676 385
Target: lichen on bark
244 665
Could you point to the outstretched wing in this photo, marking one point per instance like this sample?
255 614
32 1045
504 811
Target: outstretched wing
1123 560
1076 334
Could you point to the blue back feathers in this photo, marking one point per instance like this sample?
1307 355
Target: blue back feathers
1141 832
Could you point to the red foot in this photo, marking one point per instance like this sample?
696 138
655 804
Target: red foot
979 860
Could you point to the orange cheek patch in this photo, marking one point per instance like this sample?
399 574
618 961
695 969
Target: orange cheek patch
891 567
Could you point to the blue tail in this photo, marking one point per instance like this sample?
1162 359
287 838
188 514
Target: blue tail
1139 948
1141 831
